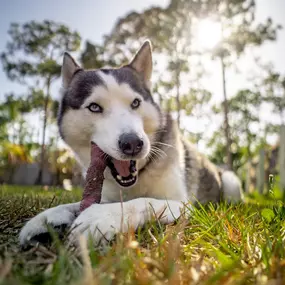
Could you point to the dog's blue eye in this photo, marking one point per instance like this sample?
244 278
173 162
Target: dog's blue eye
136 103
95 108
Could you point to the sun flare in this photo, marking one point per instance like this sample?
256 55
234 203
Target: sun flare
208 34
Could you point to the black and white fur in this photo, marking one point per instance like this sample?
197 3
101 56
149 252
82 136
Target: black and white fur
171 171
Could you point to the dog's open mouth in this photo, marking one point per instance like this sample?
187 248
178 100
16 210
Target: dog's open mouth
124 171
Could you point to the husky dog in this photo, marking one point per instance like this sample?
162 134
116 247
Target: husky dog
114 108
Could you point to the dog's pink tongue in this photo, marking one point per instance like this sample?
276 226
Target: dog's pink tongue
122 167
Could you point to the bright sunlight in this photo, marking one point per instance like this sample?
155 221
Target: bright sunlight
208 34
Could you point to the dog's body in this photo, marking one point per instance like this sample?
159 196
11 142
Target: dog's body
114 109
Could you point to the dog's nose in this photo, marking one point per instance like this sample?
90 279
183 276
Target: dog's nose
130 144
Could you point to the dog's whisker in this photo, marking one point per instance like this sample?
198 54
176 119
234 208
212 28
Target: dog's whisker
159 151
153 158
164 144
157 155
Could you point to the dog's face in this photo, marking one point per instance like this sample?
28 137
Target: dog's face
112 108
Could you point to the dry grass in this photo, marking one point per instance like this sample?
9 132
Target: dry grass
224 244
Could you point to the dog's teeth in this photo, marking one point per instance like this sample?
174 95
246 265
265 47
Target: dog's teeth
126 181
119 177
134 174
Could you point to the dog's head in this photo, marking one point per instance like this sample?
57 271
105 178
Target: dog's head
112 108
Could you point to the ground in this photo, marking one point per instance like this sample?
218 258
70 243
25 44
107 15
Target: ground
224 244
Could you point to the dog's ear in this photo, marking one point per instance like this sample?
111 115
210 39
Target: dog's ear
142 62
69 67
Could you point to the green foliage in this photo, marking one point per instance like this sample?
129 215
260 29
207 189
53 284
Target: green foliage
33 57
12 112
169 29
274 94
268 214
173 33
244 114
244 108
34 52
218 151
34 49
218 244
92 57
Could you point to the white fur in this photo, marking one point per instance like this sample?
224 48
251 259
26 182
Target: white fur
166 191
118 117
168 186
62 214
102 221
105 129
231 187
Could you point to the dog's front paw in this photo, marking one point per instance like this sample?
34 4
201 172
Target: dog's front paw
101 222
58 218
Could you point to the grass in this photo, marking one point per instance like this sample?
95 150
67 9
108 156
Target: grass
218 244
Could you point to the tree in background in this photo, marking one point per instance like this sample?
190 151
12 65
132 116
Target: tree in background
194 104
274 84
169 30
16 137
12 112
33 57
34 51
173 32
239 31
244 117
92 56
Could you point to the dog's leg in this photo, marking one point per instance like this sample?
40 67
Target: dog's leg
102 221
232 190
58 217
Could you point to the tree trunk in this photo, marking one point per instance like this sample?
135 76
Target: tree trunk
248 147
21 132
42 159
160 100
226 122
56 155
177 98
282 119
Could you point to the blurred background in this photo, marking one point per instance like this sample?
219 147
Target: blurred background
218 68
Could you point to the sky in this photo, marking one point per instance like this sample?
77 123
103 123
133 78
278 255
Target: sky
95 18
91 18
